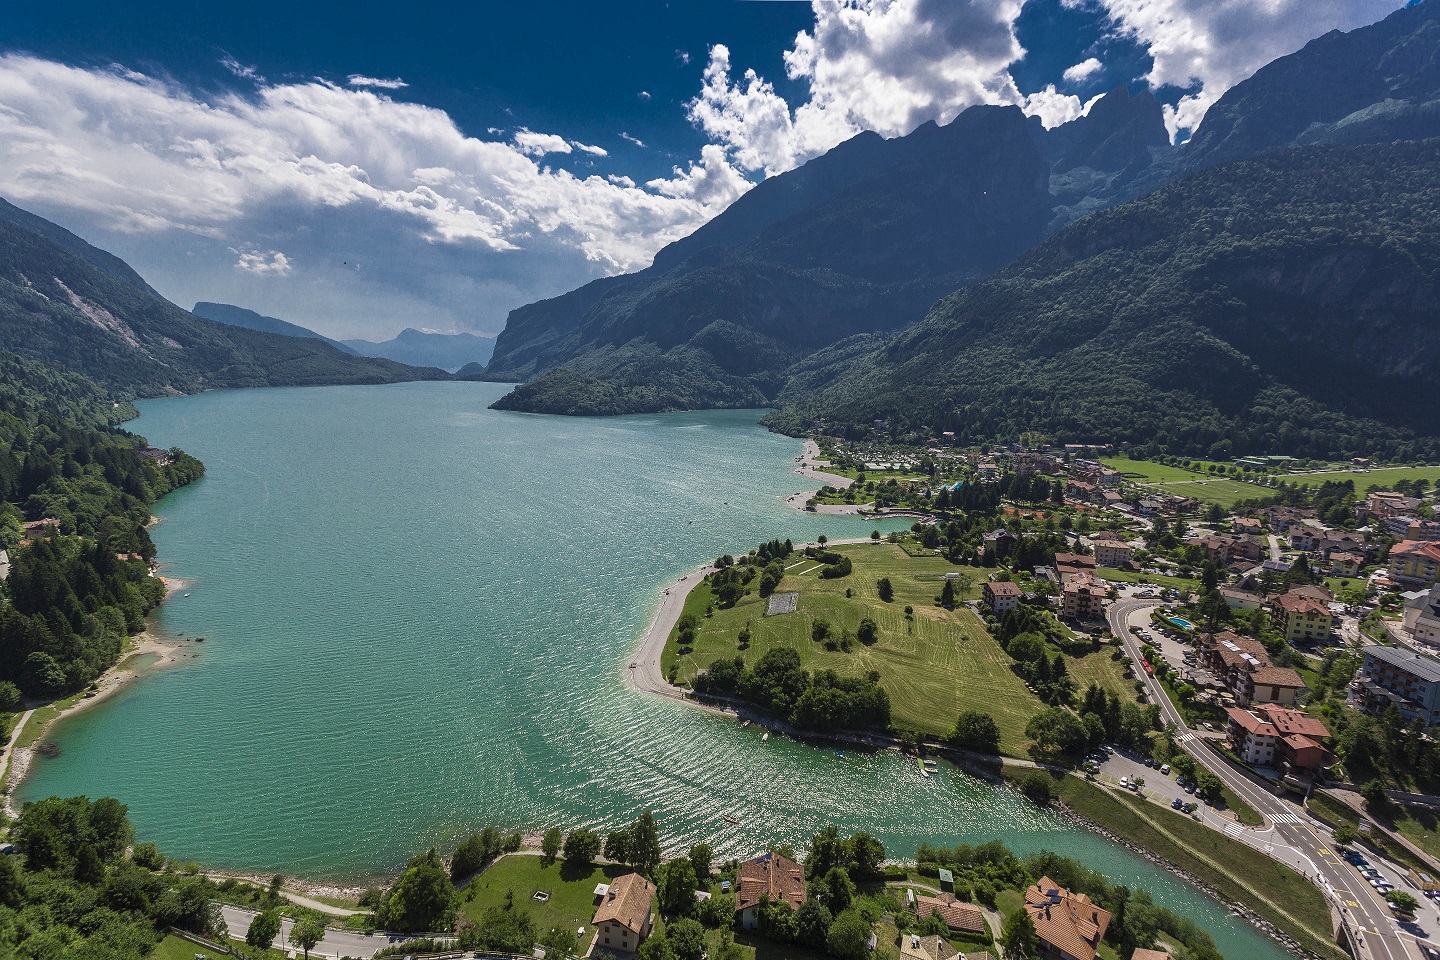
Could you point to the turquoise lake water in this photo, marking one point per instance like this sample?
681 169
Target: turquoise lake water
418 613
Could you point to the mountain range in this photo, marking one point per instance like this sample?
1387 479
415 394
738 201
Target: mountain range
416 348
66 303
784 296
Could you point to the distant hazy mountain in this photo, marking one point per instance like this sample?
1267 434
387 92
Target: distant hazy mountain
1285 304
59 307
240 317
448 351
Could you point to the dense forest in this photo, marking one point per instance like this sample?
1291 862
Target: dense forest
82 890
1286 304
79 586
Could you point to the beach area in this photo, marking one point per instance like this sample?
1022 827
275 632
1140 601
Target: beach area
142 654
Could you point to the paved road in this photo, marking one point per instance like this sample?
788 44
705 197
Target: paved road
1274 547
1365 912
337 943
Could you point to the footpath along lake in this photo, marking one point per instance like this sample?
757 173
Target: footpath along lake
418 614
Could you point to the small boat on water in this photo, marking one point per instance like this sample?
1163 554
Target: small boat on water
730 819
840 754
921 764
744 723
765 735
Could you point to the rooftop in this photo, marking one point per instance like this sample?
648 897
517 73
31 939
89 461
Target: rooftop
626 902
1420 665
769 875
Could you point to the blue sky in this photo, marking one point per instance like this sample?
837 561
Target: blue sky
361 168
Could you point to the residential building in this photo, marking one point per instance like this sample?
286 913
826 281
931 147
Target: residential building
1112 553
1237 599
1282 518
1346 564
1299 618
1001 596
1083 597
624 918
915 947
769 877
1422 617
957 914
1384 504
1273 736
1225 549
1394 675
1245 669
1247 526
1415 562
1076 561
1069 925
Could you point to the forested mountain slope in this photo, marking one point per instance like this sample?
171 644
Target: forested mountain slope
863 239
77 588
57 307
949 204
1289 304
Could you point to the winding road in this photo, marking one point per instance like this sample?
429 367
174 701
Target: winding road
1296 838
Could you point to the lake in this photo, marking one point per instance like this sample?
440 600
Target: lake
418 613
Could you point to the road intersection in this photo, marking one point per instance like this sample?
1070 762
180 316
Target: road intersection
1296 838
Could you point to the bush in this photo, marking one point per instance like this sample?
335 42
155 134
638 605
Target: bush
1036 786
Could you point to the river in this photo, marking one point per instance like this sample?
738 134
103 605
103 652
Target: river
417 616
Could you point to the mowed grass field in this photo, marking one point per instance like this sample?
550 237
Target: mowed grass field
1147 471
1225 492
933 666
1384 478
572 892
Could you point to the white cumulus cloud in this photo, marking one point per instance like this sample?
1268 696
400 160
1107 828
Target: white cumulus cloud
590 148
538 144
1083 69
1214 44
326 171
883 65
267 263
360 80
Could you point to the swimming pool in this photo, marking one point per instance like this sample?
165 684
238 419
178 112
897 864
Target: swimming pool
1182 623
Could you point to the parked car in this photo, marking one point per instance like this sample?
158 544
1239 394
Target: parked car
1165 769
1177 804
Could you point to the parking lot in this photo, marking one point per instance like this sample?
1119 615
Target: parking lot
1124 768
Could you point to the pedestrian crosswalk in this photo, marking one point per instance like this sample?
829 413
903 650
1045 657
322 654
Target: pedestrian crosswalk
1286 818
1187 738
1234 829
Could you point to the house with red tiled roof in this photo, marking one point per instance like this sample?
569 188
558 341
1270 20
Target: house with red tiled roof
624 918
1299 616
1069 925
770 878
1273 736
1245 668
1415 563
957 914
1001 596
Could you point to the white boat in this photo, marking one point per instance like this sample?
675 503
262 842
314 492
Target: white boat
765 735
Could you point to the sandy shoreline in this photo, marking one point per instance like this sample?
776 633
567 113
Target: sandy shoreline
142 654
810 466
